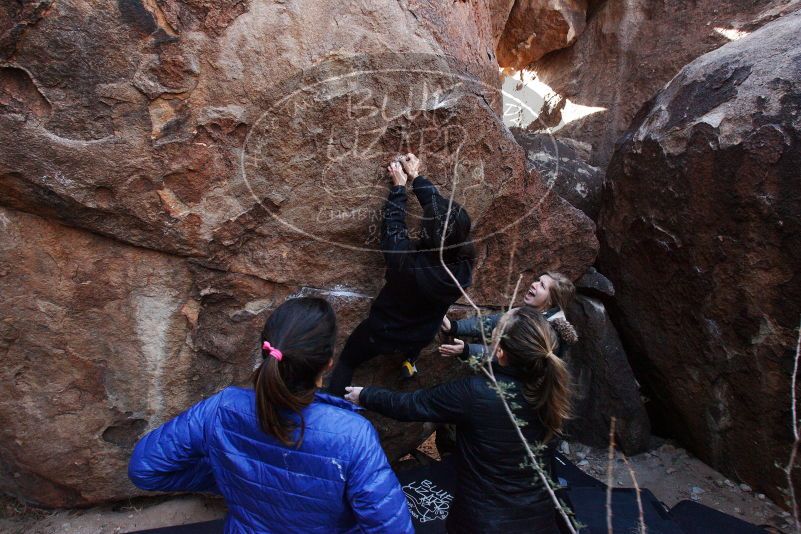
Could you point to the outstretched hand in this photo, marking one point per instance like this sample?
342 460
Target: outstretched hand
352 394
455 349
397 174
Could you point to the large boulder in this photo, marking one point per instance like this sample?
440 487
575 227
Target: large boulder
95 346
563 164
174 170
107 340
604 383
537 27
628 51
701 233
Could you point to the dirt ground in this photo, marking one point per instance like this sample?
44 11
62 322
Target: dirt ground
673 475
668 471
137 514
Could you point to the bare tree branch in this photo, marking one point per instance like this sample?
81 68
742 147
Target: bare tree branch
510 270
609 479
486 366
643 529
788 471
514 293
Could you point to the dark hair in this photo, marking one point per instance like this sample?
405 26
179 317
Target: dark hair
304 330
458 245
530 343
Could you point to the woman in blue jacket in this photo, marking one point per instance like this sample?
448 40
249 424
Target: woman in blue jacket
284 456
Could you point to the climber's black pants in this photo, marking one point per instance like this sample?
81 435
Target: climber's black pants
361 346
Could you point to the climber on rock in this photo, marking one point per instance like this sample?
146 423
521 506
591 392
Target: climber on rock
406 314
496 492
550 294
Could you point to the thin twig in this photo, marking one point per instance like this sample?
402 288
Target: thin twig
514 293
609 478
511 269
788 471
442 251
643 529
486 367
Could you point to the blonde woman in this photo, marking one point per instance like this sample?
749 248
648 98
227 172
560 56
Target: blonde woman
550 294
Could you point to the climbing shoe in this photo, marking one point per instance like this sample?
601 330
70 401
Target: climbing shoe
408 370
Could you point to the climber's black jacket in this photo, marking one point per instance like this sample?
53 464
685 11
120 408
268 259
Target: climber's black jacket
494 493
418 291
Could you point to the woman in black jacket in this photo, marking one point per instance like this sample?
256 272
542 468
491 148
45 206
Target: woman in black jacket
494 492
406 314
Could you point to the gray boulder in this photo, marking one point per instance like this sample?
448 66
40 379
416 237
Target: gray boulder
701 235
604 383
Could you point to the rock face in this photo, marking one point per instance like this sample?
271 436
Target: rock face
88 324
536 27
701 236
594 284
562 163
173 170
628 51
604 383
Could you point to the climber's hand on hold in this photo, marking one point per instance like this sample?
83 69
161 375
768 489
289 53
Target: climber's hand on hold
397 174
411 165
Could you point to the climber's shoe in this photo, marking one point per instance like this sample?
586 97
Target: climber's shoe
408 369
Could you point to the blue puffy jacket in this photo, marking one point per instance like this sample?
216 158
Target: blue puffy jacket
337 481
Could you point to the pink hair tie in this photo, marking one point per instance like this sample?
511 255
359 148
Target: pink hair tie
275 353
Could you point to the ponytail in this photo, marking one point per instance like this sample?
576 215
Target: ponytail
297 344
555 396
530 344
273 395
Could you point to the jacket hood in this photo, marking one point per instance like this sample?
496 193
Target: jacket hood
564 328
435 282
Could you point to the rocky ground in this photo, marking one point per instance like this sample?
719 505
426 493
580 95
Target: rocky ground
673 475
129 516
668 471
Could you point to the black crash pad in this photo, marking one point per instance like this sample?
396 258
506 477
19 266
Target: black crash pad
206 527
696 518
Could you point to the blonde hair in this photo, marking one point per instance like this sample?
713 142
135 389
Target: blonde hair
530 344
562 292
